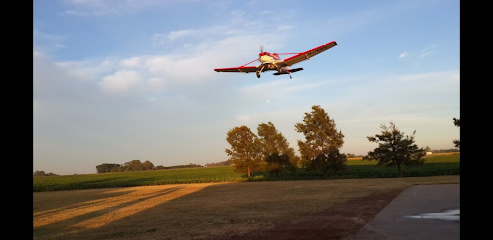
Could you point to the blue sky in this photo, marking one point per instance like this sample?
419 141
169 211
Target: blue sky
115 81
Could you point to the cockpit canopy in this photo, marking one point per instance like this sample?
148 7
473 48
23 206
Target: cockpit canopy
264 54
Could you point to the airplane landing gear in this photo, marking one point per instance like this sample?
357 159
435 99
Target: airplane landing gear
261 69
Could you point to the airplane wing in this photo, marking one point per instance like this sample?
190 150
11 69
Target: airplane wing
306 55
237 69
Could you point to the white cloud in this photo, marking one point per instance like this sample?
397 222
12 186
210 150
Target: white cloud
278 88
237 14
237 26
251 3
285 27
47 42
156 82
37 54
189 34
424 54
131 62
193 64
38 35
87 70
403 55
180 34
121 81
427 51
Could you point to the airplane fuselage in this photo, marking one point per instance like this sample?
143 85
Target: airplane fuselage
269 61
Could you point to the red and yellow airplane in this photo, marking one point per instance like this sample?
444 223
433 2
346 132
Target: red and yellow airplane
273 62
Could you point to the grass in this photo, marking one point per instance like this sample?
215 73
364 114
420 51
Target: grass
197 210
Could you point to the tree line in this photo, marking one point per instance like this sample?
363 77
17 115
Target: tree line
219 164
320 150
134 165
137 165
43 173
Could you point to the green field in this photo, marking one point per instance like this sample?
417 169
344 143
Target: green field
435 165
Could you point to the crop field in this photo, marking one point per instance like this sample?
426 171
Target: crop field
435 165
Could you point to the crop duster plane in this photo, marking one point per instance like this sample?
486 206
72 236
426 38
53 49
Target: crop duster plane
272 62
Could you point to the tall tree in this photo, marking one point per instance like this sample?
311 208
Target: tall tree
134 165
320 150
395 149
278 156
456 141
148 165
246 150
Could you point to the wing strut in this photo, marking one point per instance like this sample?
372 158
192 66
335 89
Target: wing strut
248 63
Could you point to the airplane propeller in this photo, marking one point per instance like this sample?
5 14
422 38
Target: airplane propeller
261 50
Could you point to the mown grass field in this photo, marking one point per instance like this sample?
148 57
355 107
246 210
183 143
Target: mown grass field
435 165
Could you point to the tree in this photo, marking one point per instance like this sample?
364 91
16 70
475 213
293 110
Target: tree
277 163
320 150
120 168
395 149
134 165
277 155
245 152
427 149
106 167
148 165
39 173
456 141
329 162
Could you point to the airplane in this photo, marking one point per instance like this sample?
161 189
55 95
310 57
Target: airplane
273 62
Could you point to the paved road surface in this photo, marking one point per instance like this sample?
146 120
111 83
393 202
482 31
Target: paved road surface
419 212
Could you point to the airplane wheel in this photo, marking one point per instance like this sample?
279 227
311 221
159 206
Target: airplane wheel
258 74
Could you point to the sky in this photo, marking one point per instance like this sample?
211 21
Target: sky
122 80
